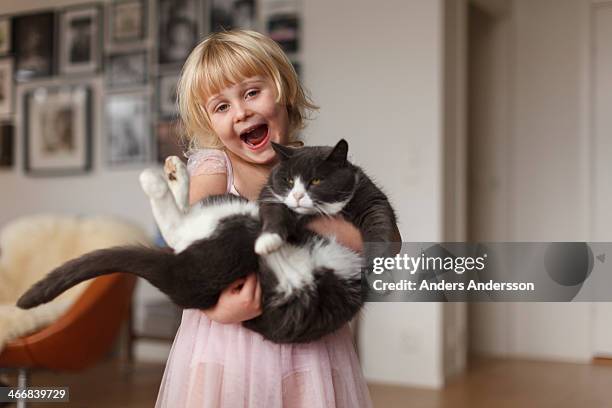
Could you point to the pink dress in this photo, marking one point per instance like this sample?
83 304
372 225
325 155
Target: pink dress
213 365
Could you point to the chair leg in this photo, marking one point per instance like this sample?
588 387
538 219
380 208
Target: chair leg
130 333
22 383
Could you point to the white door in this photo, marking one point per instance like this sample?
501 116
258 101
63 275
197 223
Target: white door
601 151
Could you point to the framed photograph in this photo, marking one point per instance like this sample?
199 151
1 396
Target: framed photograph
127 21
226 15
6 86
80 40
284 29
33 45
166 94
169 141
7 149
128 128
178 28
126 70
5 35
57 130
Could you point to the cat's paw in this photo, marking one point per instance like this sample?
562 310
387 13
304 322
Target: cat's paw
153 183
267 243
175 170
178 181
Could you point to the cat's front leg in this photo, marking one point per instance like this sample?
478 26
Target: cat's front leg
276 220
165 211
177 178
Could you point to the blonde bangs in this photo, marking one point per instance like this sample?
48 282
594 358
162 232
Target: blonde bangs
225 66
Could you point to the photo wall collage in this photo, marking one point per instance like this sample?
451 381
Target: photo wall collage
140 67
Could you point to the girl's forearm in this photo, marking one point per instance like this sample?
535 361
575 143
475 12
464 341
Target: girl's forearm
345 233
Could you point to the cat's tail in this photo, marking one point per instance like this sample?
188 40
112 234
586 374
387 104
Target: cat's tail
152 264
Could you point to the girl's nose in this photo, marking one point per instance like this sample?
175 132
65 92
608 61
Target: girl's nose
241 112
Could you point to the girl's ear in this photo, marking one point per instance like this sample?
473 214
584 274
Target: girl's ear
339 152
283 152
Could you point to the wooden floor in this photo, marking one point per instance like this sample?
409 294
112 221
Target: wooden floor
488 383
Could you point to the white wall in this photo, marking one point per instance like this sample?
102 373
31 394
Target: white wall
376 71
546 178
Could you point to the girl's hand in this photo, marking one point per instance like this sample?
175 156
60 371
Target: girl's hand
345 232
238 302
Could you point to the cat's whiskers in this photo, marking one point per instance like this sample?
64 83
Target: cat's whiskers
321 210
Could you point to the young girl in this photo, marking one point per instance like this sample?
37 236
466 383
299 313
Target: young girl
237 93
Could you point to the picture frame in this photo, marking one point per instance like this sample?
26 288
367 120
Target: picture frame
167 107
128 69
57 130
127 21
80 40
34 53
7 145
226 15
284 28
5 35
128 128
168 141
177 30
6 86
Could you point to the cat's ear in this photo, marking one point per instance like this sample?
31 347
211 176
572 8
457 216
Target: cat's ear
283 152
339 152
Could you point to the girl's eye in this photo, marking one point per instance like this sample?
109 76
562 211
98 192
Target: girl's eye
252 93
315 181
222 107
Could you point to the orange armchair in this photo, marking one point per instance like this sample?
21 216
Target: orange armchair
81 336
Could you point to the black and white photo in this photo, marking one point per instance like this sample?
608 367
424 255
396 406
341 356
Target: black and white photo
6 86
126 70
167 96
227 15
128 128
7 143
35 50
57 130
169 141
5 35
284 29
80 41
178 30
127 21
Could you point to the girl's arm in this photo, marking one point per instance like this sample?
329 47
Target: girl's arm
205 185
345 232
242 299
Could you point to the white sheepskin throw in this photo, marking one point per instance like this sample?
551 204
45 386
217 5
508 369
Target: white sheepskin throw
30 247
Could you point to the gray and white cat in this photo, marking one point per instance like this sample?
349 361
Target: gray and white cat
311 285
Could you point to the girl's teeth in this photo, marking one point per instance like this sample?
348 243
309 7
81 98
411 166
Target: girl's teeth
256 136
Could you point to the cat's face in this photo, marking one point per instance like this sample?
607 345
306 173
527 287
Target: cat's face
313 180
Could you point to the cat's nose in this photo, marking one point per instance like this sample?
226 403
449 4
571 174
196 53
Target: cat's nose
298 196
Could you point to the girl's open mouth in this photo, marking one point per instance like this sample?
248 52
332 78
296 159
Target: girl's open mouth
256 137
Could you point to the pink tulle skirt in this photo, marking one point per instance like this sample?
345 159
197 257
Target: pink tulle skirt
214 365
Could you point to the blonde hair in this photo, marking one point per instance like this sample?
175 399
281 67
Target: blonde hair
226 58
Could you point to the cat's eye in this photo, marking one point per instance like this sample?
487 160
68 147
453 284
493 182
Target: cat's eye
315 181
290 182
